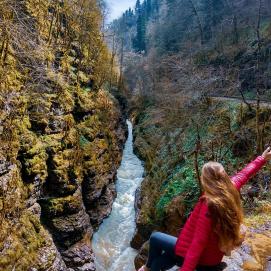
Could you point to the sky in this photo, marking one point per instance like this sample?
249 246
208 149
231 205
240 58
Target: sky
117 7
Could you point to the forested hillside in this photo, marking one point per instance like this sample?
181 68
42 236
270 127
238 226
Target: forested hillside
61 133
219 47
199 78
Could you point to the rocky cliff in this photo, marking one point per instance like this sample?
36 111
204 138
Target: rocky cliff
61 134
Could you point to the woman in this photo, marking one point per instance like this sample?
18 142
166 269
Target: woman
213 228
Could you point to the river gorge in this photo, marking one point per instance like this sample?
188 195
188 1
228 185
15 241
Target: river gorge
111 244
72 192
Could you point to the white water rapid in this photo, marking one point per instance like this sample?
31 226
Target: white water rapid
111 243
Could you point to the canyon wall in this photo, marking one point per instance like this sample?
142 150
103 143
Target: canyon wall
61 135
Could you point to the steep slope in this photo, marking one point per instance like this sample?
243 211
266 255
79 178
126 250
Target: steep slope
61 133
175 143
196 47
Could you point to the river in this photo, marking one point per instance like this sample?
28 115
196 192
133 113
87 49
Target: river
111 243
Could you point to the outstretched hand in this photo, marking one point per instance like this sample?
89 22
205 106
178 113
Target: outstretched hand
267 154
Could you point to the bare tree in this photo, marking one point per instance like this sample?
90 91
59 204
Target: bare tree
195 12
258 129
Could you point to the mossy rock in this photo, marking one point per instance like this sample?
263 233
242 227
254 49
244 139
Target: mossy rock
27 237
69 229
54 207
33 159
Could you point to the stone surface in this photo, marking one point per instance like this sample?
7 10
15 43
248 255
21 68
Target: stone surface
175 214
101 207
69 229
143 229
254 252
80 256
142 256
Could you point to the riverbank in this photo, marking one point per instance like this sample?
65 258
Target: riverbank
174 144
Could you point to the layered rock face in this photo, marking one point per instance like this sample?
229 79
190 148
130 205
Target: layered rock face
61 134
60 184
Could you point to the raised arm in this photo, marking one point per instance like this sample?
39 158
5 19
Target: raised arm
251 169
200 239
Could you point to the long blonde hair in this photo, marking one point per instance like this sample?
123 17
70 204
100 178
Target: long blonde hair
224 204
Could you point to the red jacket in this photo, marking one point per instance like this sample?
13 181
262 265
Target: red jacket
197 243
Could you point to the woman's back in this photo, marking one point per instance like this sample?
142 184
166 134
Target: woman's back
197 232
212 228
198 243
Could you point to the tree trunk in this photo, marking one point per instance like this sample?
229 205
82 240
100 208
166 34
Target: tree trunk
196 154
198 21
245 101
259 25
2 49
112 62
262 135
258 130
121 64
6 51
235 30
241 115
51 24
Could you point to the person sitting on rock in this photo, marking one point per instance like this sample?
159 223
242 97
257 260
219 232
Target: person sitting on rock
213 228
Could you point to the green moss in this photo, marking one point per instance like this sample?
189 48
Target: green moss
182 182
27 237
83 141
61 206
52 142
83 77
66 100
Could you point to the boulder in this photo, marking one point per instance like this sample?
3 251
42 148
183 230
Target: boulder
80 256
142 255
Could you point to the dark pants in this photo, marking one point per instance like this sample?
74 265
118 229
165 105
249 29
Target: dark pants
162 255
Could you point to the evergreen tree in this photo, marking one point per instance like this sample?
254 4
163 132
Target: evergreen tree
140 39
171 4
137 7
213 11
148 8
155 6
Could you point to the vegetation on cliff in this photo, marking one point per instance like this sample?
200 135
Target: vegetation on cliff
175 144
61 133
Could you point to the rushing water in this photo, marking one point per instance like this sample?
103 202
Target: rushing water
111 244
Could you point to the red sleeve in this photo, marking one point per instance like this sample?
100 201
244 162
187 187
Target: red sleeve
251 169
200 239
